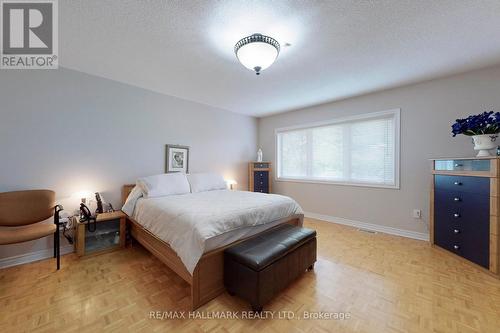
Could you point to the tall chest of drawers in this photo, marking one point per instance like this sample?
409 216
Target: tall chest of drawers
259 177
465 209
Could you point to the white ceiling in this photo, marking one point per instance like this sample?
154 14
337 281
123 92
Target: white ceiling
338 48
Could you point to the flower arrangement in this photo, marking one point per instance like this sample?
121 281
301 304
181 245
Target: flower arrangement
484 123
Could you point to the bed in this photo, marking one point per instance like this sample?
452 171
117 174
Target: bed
202 268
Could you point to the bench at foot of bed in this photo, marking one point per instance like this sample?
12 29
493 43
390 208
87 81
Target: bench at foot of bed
259 268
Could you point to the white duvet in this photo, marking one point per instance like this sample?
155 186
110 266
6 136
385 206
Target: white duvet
187 221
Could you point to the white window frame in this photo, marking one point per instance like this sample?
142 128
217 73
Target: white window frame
396 113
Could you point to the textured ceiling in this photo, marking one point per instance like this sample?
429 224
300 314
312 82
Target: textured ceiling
338 48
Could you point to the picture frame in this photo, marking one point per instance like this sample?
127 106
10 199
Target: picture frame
177 159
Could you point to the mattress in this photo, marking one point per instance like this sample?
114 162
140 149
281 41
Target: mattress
195 223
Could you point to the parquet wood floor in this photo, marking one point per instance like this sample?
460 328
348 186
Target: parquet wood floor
385 283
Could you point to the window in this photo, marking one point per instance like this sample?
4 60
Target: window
361 150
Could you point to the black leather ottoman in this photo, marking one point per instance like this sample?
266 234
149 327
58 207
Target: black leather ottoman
259 268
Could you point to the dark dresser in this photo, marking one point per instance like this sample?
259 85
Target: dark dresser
259 177
464 209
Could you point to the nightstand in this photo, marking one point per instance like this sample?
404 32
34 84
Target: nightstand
108 236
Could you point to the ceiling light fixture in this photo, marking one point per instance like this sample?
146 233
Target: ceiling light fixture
257 52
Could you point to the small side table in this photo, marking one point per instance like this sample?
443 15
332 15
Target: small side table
108 236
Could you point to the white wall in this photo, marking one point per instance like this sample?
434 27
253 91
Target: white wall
69 131
427 112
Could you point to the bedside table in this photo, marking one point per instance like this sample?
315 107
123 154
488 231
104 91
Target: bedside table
108 236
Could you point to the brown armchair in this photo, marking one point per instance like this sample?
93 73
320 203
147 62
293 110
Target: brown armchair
20 214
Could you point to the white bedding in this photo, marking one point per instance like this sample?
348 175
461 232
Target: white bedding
198 222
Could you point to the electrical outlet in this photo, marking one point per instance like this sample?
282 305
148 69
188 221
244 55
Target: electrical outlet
417 214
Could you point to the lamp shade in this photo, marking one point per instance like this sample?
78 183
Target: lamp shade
231 183
257 52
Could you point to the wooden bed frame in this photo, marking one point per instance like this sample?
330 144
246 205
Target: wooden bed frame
207 280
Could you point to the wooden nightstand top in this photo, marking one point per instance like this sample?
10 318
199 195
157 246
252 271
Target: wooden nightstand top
110 216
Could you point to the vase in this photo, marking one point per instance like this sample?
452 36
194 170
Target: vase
483 143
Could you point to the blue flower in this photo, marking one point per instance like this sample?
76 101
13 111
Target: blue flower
484 123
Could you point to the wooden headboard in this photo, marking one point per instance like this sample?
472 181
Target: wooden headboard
127 188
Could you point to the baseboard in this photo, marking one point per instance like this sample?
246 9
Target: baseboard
33 256
370 226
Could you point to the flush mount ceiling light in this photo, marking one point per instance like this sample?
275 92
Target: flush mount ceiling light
257 52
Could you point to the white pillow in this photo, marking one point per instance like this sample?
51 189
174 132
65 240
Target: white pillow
206 182
129 206
164 185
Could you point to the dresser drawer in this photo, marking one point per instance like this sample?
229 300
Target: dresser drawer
448 237
261 181
461 224
472 246
461 206
261 174
477 253
261 177
462 165
471 215
469 184
261 165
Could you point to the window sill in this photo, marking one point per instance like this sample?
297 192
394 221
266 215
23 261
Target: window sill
330 182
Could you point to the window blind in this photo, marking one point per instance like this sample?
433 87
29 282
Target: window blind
358 151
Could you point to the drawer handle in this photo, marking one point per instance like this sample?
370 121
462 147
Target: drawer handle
457 183
457 165
456 231
456 215
456 247
456 199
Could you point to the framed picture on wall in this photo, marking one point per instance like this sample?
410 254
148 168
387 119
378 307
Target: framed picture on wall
177 159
